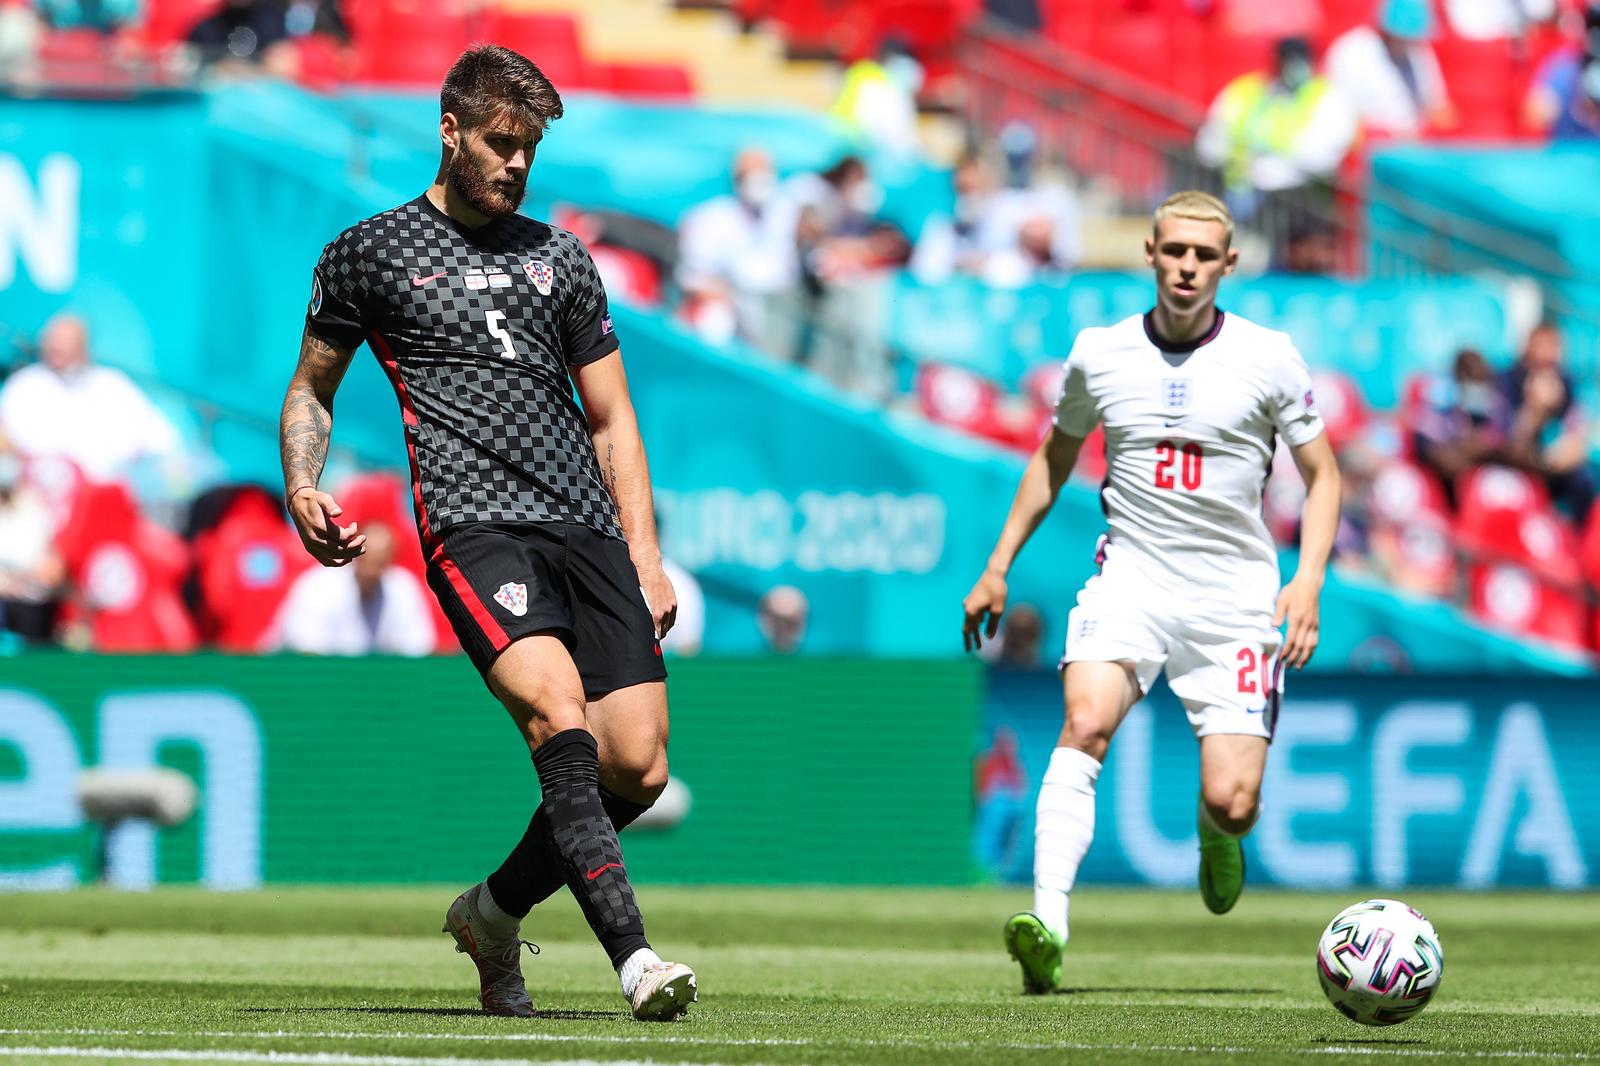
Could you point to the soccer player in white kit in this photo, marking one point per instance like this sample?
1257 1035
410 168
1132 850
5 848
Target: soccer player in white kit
1192 401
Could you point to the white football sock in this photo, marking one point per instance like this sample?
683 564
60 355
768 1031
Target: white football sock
496 919
1062 831
633 967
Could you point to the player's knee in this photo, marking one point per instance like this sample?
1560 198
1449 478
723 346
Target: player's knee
1088 727
1232 804
638 772
542 709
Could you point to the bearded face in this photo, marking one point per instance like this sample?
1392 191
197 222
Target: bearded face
489 169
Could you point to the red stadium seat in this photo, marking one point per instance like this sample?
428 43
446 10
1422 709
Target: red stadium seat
1403 492
169 21
1512 598
126 572
628 274
245 564
320 61
1343 408
1491 501
551 41
1589 551
658 81
1482 80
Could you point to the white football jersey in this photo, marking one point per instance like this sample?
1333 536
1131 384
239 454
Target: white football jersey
1190 431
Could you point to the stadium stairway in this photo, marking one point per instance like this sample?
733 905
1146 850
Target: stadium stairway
725 64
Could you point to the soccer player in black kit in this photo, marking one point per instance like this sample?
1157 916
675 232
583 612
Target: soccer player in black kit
535 514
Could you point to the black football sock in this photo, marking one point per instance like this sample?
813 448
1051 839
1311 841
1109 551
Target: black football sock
581 835
532 873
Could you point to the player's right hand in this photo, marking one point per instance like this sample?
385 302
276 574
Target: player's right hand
325 540
983 607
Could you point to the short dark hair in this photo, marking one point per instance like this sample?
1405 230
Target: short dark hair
489 81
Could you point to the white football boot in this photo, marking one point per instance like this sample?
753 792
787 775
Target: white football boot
664 992
498 958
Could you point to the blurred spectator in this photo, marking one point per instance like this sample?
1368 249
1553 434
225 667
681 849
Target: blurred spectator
1548 430
1035 218
688 632
247 34
1277 136
30 570
1492 20
782 615
737 258
846 253
877 103
1389 72
20 33
1021 637
66 406
1564 99
962 241
370 606
1463 422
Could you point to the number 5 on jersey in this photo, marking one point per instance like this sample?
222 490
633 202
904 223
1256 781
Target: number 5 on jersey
1189 470
497 329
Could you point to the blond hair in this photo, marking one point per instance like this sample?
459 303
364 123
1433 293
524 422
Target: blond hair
1197 205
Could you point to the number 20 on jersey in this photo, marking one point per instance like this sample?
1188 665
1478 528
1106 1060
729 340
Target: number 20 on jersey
1175 465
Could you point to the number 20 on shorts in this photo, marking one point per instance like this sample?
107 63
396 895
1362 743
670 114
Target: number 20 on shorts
1189 470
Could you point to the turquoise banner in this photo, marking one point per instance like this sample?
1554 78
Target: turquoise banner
1470 781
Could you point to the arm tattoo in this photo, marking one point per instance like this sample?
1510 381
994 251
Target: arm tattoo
611 469
307 418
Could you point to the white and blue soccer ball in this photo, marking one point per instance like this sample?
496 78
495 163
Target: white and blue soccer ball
1379 962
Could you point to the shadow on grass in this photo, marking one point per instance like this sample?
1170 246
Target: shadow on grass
1087 991
445 1012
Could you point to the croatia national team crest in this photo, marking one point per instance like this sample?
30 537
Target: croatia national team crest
513 596
1175 393
540 274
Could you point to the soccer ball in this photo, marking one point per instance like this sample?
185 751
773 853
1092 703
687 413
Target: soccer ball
1379 962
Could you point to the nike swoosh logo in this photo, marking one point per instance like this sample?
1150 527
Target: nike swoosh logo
1174 422
608 866
431 277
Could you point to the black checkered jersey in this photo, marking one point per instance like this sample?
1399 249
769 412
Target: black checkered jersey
477 330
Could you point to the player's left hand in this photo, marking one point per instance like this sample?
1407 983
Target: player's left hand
660 597
1297 604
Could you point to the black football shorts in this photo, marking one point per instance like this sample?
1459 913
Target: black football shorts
501 581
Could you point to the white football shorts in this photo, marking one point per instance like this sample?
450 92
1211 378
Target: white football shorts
1224 666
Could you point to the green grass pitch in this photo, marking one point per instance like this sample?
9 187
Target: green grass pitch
363 977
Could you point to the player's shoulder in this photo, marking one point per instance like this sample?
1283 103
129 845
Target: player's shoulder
359 239
559 244
1094 342
1246 336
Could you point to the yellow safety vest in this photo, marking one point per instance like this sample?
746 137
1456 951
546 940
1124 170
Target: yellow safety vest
1262 119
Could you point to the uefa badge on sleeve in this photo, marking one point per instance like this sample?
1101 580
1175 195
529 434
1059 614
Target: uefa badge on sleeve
316 294
540 274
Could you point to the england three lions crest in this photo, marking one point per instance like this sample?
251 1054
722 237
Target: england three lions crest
1176 393
513 596
540 274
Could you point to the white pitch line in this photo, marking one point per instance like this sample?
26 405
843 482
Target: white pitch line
840 1044
290 1058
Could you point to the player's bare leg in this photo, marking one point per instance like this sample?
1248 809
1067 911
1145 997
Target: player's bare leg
1098 696
1231 769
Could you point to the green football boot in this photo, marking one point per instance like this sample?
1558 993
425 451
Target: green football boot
1038 950
1221 870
